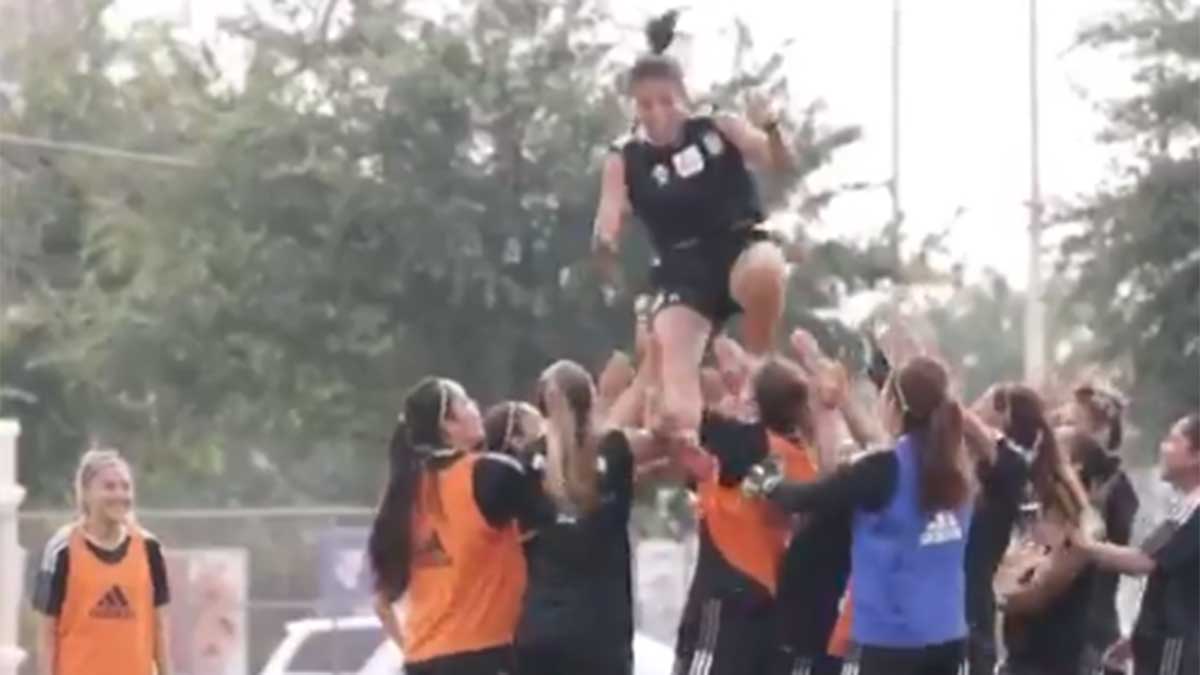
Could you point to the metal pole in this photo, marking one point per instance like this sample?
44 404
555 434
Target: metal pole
893 229
1035 315
11 555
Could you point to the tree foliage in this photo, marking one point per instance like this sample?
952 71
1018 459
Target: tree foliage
380 196
1133 253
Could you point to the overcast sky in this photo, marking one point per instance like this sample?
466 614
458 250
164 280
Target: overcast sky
964 102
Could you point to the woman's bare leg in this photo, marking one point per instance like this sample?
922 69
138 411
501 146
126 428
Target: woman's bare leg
758 282
682 333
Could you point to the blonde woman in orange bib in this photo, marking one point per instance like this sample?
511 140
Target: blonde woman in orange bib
102 586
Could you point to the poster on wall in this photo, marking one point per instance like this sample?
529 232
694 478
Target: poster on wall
208 610
344 576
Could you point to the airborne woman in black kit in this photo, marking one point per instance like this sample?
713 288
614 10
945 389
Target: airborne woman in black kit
687 178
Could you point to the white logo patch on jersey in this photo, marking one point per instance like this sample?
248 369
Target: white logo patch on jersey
688 162
942 527
714 144
660 174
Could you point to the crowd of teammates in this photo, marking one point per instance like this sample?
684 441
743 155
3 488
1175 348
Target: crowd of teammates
504 536
832 537
897 562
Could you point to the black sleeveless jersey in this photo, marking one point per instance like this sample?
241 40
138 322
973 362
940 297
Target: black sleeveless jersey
580 587
698 188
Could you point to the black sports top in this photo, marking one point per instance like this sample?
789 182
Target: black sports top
690 191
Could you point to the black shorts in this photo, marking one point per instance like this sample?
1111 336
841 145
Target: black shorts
695 273
725 636
558 659
497 661
942 659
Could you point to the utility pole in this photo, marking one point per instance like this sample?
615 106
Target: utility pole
1035 313
893 230
12 562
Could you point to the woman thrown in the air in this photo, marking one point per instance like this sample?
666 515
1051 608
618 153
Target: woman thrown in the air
687 178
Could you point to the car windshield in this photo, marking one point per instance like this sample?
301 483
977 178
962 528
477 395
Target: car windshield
342 650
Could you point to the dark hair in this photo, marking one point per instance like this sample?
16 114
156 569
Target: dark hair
419 431
500 426
1027 425
1191 430
1096 465
921 390
1105 408
565 397
781 392
656 64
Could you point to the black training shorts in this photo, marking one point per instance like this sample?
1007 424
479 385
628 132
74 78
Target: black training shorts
695 273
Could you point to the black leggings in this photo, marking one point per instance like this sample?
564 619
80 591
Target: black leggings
725 636
497 661
943 659
562 659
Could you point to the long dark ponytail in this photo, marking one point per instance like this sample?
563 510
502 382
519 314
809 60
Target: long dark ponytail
416 435
921 390
1055 484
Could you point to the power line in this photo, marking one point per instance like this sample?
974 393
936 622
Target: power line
95 151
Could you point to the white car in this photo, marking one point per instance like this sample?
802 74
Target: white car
356 646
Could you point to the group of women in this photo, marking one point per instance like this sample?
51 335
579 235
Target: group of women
832 537
886 552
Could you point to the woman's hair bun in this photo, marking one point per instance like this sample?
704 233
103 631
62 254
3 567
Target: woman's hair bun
660 31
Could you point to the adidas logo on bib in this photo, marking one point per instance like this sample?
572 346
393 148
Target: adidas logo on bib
112 605
942 528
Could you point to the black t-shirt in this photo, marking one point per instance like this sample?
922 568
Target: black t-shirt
580 586
504 490
50 588
1171 603
1052 639
812 580
1119 509
1002 490
736 445
816 566
697 188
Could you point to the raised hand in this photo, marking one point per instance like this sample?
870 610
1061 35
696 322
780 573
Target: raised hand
805 347
760 112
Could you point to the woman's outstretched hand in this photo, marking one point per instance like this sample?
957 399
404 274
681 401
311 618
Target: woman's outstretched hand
760 112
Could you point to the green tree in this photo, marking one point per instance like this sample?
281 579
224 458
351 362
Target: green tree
380 197
1132 257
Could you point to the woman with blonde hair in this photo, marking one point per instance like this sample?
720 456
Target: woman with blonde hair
578 610
102 586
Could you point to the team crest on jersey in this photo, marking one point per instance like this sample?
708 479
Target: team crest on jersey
688 162
713 143
942 527
114 604
660 174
